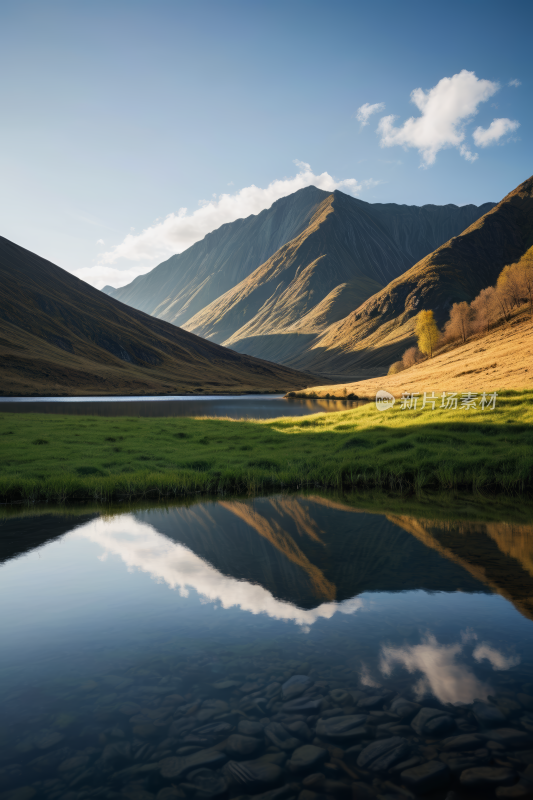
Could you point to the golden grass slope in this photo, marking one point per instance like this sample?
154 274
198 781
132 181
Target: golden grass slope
501 359
60 336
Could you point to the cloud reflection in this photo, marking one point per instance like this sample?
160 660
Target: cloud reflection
443 675
141 547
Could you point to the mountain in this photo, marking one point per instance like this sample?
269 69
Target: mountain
185 283
60 336
270 283
376 333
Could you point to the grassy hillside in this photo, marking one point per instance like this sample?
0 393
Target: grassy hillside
490 361
49 457
60 336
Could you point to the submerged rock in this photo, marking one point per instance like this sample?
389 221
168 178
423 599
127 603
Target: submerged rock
249 727
346 727
404 708
205 783
295 686
384 754
488 776
280 737
431 722
307 757
238 745
488 716
177 767
252 775
426 777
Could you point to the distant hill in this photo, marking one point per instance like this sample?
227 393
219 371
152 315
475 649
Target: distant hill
376 333
60 336
270 283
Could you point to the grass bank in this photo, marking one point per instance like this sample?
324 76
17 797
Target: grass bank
52 458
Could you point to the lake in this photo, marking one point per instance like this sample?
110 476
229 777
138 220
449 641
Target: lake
237 407
303 646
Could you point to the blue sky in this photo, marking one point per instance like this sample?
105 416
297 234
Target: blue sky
118 114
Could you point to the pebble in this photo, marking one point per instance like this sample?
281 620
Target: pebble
458 762
487 776
238 745
302 705
341 697
341 728
252 775
295 686
205 783
384 754
431 722
250 727
368 703
300 730
426 777
509 737
465 741
116 755
49 740
176 767
307 757
280 736
487 715
404 708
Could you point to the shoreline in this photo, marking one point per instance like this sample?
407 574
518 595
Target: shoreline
65 458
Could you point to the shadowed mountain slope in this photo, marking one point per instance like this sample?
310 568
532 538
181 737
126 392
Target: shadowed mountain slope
376 333
181 286
349 250
296 268
60 336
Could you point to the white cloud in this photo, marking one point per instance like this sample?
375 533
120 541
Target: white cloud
483 137
179 231
443 675
445 110
100 241
365 111
101 275
515 82
497 659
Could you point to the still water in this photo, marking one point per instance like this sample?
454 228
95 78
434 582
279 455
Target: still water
295 646
266 406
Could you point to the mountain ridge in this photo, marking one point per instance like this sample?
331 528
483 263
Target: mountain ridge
369 245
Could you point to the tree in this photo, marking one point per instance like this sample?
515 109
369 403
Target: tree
527 283
484 311
427 332
511 285
396 367
459 325
411 356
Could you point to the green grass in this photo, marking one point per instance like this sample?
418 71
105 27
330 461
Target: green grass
56 458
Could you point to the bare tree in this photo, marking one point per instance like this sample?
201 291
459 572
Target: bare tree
459 325
502 306
484 309
527 284
510 284
411 356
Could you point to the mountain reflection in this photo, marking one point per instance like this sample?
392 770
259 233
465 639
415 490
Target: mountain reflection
140 546
302 558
